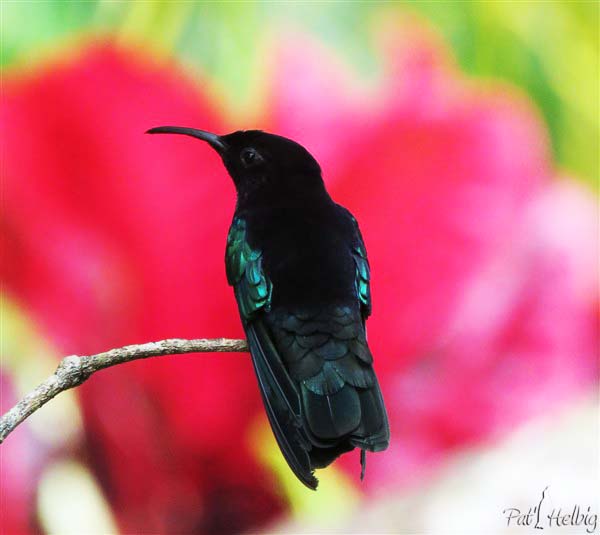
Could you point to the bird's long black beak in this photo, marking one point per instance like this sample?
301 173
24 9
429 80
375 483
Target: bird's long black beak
215 141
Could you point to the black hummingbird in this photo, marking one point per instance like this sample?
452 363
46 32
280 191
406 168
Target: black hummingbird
299 270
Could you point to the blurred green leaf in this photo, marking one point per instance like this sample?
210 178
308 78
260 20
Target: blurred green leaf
550 49
28 27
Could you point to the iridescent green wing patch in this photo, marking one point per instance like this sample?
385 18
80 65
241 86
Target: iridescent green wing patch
363 272
363 277
244 272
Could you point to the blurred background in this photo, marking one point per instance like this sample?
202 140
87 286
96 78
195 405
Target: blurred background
464 136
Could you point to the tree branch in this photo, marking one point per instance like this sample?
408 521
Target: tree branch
74 370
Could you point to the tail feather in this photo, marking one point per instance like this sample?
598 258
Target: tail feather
373 433
332 416
323 457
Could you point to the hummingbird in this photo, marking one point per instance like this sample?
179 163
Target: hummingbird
299 270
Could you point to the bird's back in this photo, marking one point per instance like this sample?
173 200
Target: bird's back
312 336
307 251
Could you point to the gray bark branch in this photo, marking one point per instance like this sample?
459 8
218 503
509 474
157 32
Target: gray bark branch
74 370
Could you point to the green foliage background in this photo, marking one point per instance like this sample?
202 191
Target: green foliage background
548 48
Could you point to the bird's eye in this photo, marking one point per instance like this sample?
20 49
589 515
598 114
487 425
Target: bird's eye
250 157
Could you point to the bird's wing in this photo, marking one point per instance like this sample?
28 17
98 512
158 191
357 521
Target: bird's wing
362 280
243 265
326 354
363 274
280 395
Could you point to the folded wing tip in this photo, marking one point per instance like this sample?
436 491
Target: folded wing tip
311 482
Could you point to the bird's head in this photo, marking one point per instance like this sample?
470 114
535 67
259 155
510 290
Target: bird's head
260 164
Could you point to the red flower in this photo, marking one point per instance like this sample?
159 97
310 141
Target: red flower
484 310
116 239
